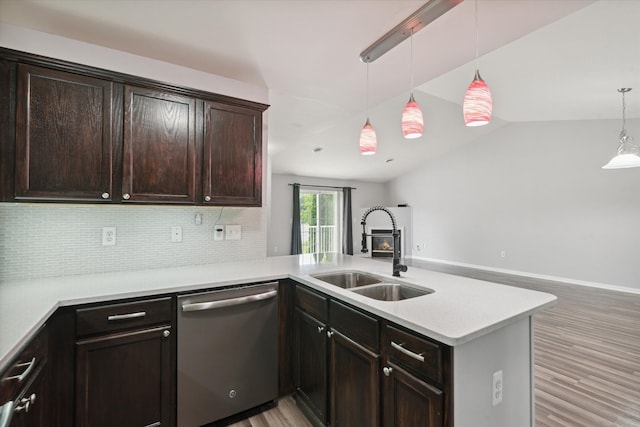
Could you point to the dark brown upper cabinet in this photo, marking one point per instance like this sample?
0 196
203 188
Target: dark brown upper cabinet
74 133
65 147
160 147
232 164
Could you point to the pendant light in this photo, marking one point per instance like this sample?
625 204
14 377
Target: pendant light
477 105
368 139
412 123
628 153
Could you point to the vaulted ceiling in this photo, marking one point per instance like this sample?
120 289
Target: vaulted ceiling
543 60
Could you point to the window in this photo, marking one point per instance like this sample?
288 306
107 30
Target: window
320 221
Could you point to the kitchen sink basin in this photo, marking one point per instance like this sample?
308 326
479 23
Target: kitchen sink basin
391 291
348 279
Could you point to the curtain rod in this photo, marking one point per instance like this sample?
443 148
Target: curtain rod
322 186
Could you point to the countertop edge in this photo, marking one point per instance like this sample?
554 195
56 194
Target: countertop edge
212 276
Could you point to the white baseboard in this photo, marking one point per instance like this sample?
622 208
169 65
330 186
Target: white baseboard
532 275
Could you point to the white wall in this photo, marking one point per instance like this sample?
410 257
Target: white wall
367 194
26 40
536 191
509 350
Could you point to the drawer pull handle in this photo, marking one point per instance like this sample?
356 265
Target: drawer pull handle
329 334
126 196
320 329
209 305
409 353
29 366
105 195
25 403
136 315
387 370
207 198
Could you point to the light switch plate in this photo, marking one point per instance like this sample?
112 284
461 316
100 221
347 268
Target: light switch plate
234 232
218 232
176 234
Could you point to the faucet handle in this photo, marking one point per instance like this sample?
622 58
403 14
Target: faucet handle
397 268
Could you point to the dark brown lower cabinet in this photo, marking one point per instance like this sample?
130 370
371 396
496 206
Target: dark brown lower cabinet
353 369
310 361
124 379
354 383
32 404
410 402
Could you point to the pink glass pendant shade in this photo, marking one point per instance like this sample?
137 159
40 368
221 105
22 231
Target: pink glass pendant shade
412 123
477 106
368 140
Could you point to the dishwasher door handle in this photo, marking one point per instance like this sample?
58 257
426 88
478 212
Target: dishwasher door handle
209 305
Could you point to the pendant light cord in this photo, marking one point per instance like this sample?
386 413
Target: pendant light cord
624 111
411 62
477 34
367 92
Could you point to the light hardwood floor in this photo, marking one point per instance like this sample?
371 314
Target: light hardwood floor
587 357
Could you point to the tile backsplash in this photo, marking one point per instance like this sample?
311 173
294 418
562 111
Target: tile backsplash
48 240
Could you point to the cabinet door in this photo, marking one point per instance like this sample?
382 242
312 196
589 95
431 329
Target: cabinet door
410 402
160 147
125 380
64 138
310 369
7 130
232 155
354 379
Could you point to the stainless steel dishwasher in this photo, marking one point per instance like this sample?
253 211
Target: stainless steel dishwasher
227 352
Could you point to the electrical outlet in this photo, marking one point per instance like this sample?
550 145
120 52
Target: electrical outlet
497 390
197 219
108 236
176 234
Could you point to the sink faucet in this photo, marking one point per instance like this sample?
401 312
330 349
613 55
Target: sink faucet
397 267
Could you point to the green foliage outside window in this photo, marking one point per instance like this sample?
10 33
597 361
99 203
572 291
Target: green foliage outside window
317 210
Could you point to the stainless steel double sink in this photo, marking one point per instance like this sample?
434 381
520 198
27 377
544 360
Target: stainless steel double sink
371 286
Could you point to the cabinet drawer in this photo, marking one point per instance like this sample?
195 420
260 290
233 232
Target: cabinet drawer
406 350
355 324
119 317
312 302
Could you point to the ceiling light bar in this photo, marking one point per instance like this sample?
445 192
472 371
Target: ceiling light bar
419 19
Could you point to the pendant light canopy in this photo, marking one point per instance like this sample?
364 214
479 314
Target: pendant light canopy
477 106
628 154
412 123
368 139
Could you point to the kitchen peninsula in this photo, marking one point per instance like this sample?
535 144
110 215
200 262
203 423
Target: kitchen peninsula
483 328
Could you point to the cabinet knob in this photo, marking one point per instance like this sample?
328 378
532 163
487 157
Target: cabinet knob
320 329
329 334
387 370
105 195
166 333
126 196
207 198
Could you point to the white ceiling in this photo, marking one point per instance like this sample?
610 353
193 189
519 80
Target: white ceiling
543 60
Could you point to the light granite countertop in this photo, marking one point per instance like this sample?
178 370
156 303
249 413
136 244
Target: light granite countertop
459 310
